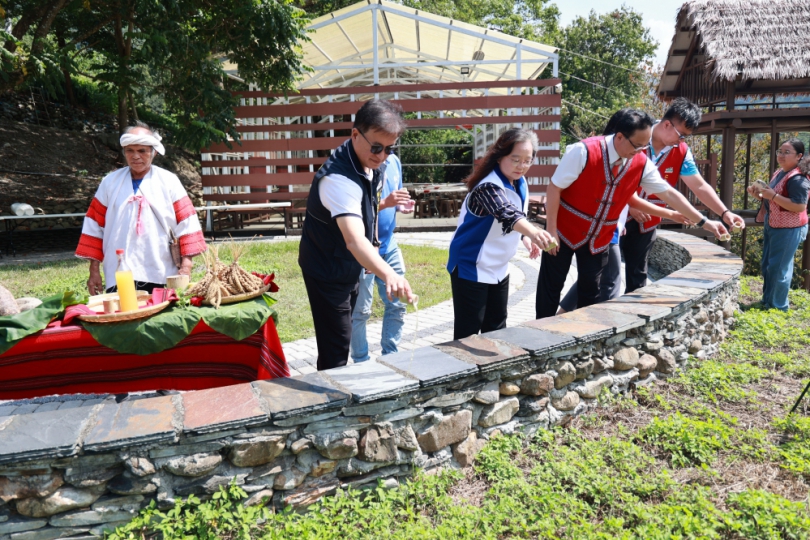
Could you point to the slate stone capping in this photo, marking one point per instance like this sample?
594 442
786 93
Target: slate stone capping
536 342
304 436
132 422
621 322
368 381
220 409
488 354
428 365
583 332
304 394
646 312
49 434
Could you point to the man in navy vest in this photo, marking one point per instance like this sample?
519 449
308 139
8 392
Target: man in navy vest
340 230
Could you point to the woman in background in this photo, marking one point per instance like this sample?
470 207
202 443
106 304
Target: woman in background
784 214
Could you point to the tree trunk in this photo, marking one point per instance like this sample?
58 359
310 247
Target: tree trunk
132 106
44 27
60 37
123 119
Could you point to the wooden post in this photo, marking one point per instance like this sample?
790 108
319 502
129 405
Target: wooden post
727 173
747 170
774 148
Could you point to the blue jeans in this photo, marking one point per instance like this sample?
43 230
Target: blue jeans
778 250
393 318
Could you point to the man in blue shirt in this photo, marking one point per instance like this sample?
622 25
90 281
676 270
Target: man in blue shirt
680 120
392 199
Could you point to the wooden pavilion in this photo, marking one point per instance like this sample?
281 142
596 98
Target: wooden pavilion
747 64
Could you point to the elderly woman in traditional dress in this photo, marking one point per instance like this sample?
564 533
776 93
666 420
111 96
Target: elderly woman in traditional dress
140 209
784 214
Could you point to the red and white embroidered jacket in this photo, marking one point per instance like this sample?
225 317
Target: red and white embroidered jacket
778 217
669 165
591 206
112 221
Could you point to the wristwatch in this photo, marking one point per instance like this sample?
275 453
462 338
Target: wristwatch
701 223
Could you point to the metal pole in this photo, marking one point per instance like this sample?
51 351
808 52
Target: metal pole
376 52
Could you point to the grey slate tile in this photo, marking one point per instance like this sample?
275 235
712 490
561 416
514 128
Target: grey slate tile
304 394
428 365
621 322
488 354
130 423
537 342
728 269
695 283
370 380
51 434
648 312
6 410
582 331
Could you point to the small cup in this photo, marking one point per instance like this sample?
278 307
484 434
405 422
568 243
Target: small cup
178 282
111 305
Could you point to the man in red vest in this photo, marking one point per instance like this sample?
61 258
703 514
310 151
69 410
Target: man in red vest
672 156
594 181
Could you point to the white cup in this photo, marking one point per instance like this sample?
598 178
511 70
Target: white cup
22 209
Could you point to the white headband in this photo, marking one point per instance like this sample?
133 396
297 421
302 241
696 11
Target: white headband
144 139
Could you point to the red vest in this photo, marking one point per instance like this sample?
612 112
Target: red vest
778 217
590 207
669 166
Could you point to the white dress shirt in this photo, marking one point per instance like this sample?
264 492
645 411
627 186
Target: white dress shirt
576 156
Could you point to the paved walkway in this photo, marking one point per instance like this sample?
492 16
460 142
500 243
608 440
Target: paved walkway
436 322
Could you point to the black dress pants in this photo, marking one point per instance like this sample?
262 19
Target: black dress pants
478 307
332 305
554 270
636 247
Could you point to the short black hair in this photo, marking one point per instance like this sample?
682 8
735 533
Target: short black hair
627 122
685 111
797 145
382 115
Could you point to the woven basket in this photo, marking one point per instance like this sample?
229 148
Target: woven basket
240 297
143 297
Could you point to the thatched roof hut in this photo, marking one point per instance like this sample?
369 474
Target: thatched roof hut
753 43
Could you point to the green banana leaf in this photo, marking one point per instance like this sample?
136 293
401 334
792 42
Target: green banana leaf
15 327
152 335
240 320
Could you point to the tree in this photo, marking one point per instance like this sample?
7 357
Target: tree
176 47
604 63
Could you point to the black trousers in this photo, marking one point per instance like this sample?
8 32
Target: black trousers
554 270
636 247
610 284
332 305
478 307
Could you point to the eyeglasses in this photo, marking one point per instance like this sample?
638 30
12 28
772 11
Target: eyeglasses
376 148
681 136
636 148
520 163
780 153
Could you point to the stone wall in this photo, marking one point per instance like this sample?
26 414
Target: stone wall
77 471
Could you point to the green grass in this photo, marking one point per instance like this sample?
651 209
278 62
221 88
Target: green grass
425 270
711 454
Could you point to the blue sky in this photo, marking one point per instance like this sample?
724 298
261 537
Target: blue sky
659 16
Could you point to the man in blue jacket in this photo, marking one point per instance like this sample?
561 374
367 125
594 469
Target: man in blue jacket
392 199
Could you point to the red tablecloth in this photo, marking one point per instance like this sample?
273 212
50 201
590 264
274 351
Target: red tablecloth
67 360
